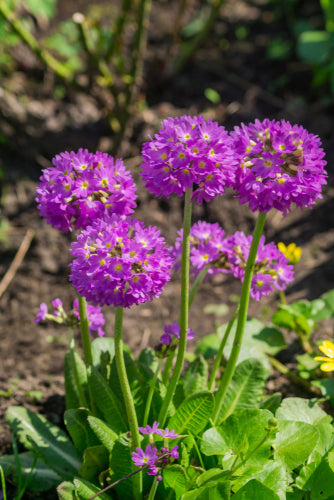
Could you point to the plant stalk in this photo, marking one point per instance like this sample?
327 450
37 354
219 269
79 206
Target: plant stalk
86 343
244 301
184 309
221 349
127 396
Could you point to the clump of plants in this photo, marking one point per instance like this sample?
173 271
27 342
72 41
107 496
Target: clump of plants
156 427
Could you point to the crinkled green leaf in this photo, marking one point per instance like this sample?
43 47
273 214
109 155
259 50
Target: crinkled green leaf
95 460
193 414
84 490
39 435
121 465
102 431
42 478
245 388
74 365
79 429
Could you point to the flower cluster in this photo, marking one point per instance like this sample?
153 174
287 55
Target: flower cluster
209 246
189 151
151 457
118 261
327 347
94 316
81 187
279 164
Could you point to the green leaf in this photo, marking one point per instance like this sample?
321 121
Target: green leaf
42 478
245 388
106 401
294 442
272 474
195 377
72 395
66 491
302 410
271 403
95 460
314 46
213 96
103 432
254 490
284 319
42 8
79 429
193 414
257 342
53 445
328 298
232 434
326 385
121 465
174 480
102 345
84 490
317 479
217 490
212 475
208 346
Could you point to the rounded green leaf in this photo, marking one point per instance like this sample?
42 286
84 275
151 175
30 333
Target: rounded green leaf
294 442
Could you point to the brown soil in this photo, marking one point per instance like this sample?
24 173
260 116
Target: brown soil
32 355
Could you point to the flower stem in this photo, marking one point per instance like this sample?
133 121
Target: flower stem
153 489
293 376
244 301
151 392
192 294
184 309
85 331
127 396
221 349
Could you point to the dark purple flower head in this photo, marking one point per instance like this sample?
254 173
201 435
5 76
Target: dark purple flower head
279 165
118 261
82 186
189 151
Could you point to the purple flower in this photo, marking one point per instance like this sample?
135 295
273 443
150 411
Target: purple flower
279 165
174 453
149 429
118 261
94 316
174 330
147 457
166 433
189 151
42 312
82 186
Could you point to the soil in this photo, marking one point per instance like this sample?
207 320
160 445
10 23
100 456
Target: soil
251 86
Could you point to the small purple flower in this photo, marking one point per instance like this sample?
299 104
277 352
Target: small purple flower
279 165
82 186
42 312
174 330
118 261
166 433
174 453
147 457
94 316
189 151
149 429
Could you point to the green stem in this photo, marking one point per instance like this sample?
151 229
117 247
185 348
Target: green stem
81 394
118 30
127 396
282 297
184 309
86 343
151 392
194 289
153 489
244 301
293 376
304 341
3 483
60 69
221 349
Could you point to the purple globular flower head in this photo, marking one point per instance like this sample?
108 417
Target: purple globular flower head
42 312
206 247
186 152
147 457
94 317
279 165
271 268
118 261
82 186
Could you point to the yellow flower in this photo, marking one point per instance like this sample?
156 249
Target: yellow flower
327 347
291 252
